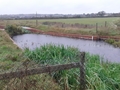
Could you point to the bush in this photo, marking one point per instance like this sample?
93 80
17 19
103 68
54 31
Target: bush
117 23
110 41
117 44
13 30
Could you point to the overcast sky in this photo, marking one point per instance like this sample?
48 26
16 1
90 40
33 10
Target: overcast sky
58 6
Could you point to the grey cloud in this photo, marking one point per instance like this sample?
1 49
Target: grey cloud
58 6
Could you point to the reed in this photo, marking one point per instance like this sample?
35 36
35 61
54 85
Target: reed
100 75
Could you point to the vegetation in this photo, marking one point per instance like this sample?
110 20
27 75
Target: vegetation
113 42
50 54
116 44
117 23
13 30
10 54
100 75
12 59
17 30
71 21
84 21
110 41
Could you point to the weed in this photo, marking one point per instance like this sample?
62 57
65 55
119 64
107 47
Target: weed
100 75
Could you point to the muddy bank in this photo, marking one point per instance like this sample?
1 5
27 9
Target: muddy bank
77 36
2 27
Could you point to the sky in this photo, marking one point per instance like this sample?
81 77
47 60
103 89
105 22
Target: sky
58 6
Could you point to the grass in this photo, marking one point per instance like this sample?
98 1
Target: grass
32 22
9 52
100 75
113 42
85 31
71 21
50 54
10 55
12 59
82 20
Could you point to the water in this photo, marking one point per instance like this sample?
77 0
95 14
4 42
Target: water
106 51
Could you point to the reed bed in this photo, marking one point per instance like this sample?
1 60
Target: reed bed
100 75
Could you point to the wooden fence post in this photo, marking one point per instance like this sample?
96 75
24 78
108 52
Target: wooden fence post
82 71
96 28
36 20
105 23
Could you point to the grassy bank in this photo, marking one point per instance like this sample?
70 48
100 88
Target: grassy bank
100 75
113 42
10 54
12 59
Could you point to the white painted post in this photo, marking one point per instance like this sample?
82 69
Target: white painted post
92 37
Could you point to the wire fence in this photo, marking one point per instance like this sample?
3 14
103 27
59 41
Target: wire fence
29 76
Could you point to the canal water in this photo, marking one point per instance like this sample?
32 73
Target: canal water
104 50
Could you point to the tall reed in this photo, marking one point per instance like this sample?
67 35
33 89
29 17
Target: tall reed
100 75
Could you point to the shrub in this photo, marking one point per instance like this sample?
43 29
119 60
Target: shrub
117 23
13 30
110 41
117 44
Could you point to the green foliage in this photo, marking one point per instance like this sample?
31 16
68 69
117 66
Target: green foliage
116 44
113 42
101 13
13 30
51 54
43 27
110 41
118 24
11 59
100 75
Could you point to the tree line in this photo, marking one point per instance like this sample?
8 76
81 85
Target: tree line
59 16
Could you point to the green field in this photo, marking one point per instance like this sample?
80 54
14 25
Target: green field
70 21
82 20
